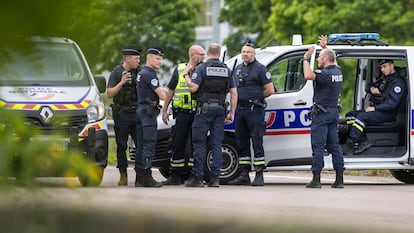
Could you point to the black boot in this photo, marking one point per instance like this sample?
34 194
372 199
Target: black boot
173 179
148 180
258 179
339 181
214 181
316 181
242 179
139 177
123 179
194 181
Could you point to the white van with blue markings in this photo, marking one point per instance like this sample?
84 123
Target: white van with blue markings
287 139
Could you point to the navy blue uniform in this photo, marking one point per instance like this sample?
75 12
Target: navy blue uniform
250 113
324 127
392 88
124 111
210 115
148 102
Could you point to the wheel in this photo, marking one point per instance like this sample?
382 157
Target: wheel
230 166
93 177
406 176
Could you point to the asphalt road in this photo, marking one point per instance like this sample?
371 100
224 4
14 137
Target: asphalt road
366 204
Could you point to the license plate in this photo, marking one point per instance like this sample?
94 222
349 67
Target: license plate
57 144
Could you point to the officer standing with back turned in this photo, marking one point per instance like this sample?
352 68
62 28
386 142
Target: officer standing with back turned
210 82
150 92
122 87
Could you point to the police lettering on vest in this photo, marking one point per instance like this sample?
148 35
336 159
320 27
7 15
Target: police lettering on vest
216 83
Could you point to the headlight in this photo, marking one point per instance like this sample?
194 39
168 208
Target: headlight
96 111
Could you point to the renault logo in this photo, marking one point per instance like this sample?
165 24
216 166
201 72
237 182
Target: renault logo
46 114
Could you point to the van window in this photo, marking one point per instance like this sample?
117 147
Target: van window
45 64
287 74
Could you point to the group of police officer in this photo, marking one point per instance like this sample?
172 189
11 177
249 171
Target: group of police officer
197 91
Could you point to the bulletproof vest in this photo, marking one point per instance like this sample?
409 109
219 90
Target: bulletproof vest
128 92
216 83
182 95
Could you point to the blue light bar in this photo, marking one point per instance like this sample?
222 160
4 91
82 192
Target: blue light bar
354 36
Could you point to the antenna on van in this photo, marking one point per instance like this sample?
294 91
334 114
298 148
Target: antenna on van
267 43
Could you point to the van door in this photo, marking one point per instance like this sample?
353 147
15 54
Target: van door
287 139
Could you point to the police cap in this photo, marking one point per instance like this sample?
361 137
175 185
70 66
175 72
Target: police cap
383 61
131 50
155 50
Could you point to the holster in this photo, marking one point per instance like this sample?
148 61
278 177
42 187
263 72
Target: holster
115 110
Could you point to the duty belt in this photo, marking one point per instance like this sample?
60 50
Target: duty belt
251 104
214 104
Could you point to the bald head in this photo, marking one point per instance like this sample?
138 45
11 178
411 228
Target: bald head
196 54
214 50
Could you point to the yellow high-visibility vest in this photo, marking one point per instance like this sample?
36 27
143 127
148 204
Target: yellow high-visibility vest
182 96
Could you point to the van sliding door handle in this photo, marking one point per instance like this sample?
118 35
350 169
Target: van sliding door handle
300 102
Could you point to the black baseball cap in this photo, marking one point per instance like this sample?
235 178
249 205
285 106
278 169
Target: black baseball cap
383 61
131 50
250 44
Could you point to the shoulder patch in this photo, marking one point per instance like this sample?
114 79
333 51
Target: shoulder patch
194 76
397 89
154 82
318 71
268 75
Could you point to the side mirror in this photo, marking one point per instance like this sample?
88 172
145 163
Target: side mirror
100 83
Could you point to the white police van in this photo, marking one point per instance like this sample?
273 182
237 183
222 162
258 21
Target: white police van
49 82
287 139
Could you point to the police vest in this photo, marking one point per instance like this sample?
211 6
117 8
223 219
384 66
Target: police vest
216 83
182 95
128 93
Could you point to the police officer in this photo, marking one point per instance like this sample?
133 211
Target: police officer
211 82
385 98
150 91
325 114
183 106
254 84
122 87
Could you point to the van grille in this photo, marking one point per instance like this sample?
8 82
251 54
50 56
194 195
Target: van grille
61 126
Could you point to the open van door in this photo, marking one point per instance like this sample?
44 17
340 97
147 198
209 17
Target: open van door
287 136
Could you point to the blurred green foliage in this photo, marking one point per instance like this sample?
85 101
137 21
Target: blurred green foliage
24 160
103 27
275 21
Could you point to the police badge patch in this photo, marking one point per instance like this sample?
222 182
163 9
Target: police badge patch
397 89
268 75
154 82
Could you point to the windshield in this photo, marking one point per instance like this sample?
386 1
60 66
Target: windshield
44 64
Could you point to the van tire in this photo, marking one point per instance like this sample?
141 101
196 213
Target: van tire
230 168
406 176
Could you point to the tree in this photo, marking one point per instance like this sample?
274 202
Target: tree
249 17
103 27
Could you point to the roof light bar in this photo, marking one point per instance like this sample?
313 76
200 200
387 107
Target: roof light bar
354 36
